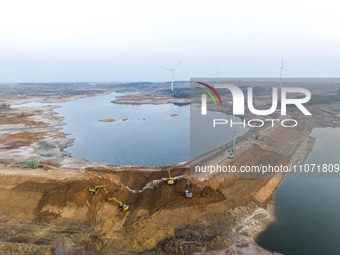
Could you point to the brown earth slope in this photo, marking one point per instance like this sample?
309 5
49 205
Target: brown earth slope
43 211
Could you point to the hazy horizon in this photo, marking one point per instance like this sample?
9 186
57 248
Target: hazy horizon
44 41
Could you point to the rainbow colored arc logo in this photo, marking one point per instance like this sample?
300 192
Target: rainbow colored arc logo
209 93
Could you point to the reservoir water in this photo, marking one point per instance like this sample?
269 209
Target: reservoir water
307 210
149 136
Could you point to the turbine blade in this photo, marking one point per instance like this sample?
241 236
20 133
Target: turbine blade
166 68
176 66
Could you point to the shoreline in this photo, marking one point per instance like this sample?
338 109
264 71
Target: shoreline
253 213
53 128
142 98
51 146
264 222
68 161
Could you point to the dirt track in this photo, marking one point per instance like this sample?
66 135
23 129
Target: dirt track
43 211
57 203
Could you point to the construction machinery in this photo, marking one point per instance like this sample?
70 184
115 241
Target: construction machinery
256 134
95 189
170 181
188 194
256 129
232 150
122 207
32 163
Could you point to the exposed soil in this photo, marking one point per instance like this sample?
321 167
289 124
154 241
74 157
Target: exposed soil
144 98
42 199
52 211
108 120
14 141
160 218
21 139
20 119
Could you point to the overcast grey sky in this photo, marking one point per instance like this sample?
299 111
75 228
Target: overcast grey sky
68 40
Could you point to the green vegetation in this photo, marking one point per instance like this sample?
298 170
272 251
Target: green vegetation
181 93
140 84
324 99
256 90
5 95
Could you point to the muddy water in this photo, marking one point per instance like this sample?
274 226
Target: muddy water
140 135
307 210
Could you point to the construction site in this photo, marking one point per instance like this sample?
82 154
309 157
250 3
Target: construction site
44 210
57 204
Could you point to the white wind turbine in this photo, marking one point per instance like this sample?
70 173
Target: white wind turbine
172 74
281 72
217 72
123 72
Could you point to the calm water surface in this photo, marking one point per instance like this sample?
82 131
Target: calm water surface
148 137
307 210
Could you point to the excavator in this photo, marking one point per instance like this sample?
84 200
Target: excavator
122 207
170 181
188 194
233 149
95 189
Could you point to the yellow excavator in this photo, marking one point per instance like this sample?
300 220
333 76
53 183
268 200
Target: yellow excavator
95 189
122 207
170 181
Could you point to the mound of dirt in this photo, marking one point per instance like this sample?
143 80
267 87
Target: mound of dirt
65 210
173 196
62 194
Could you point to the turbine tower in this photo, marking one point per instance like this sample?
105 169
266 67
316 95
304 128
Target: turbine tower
172 74
123 72
281 72
217 72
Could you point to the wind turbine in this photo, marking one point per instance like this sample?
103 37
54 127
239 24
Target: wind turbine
281 72
172 74
123 72
217 72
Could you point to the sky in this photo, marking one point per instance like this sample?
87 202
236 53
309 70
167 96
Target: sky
70 40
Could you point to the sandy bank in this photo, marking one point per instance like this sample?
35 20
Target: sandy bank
149 99
42 209
36 133
108 120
